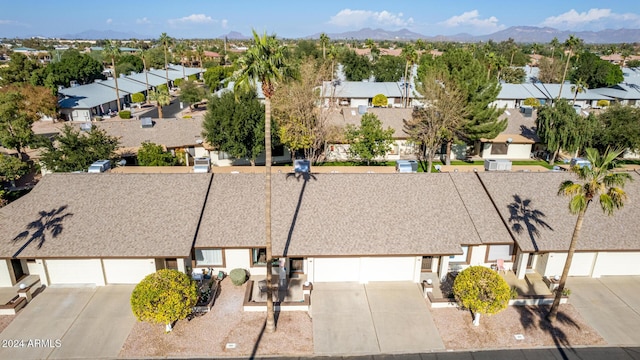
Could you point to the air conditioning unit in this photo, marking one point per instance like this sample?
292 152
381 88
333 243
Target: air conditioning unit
301 166
497 165
201 165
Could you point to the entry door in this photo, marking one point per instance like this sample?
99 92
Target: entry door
530 261
297 265
426 263
17 269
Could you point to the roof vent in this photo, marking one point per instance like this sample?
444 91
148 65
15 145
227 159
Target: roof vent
146 122
362 109
85 126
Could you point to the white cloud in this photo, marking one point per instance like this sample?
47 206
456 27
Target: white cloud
224 23
360 18
109 21
193 18
471 19
144 20
593 19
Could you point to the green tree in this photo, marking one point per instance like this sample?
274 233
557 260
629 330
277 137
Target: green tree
324 41
18 70
20 106
550 71
369 140
161 97
482 291
571 43
166 41
380 100
355 67
513 75
72 66
554 45
265 63
410 55
112 52
72 150
558 128
191 93
595 182
388 68
619 127
443 115
595 72
164 297
12 168
579 87
633 63
150 154
215 76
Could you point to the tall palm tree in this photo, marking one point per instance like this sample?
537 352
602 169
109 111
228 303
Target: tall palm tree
200 53
598 182
112 52
144 55
162 98
264 62
411 57
166 41
571 43
324 41
182 50
554 45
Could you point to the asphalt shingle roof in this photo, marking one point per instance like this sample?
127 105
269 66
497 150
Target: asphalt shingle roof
390 117
107 215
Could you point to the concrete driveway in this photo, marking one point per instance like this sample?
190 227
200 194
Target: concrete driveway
72 323
351 318
611 305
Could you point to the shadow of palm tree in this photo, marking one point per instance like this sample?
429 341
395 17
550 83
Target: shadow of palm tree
49 222
532 317
305 176
524 216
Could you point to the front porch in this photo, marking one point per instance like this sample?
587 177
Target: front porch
295 296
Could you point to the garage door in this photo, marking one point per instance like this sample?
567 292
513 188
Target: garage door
127 271
617 263
78 271
388 268
336 269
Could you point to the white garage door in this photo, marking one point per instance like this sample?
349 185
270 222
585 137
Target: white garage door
336 269
580 265
77 271
127 271
617 263
388 268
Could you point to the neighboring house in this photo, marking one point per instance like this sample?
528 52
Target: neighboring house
623 93
516 142
512 96
84 102
360 93
116 228
393 118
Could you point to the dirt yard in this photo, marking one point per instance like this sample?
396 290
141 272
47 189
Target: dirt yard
208 335
498 331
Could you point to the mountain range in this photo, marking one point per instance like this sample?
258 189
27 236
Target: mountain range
521 34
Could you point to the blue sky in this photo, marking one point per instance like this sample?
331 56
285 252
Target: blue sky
299 18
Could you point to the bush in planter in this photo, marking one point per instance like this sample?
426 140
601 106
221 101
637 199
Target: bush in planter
137 97
238 276
125 114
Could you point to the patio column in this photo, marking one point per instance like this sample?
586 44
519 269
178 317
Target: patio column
522 260
443 267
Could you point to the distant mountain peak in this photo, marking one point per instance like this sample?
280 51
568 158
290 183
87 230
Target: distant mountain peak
104 34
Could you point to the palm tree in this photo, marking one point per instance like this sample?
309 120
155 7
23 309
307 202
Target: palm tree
162 98
598 182
411 56
144 55
264 62
324 41
492 60
554 45
182 50
166 41
200 52
579 87
571 43
111 51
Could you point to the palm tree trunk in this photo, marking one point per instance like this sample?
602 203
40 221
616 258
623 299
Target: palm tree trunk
166 67
567 265
564 74
115 78
159 111
406 68
271 322
146 78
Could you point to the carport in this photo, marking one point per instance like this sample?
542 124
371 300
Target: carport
374 318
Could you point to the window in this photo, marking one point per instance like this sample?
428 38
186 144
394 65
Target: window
278 150
209 257
499 148
259 257
460 258
496 252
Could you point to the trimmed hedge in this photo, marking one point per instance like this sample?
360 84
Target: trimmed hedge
137 97
125 114
238 276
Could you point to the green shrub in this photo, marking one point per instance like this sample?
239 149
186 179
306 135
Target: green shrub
238 276
125 114
137 97
178 82
187 117
603 103
162 88
481 290
514 293
192 77
380 100
532 102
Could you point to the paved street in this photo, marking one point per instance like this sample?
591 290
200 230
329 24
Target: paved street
352 318
71 323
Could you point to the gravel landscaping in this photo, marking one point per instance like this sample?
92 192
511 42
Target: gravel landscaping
226 323
499 330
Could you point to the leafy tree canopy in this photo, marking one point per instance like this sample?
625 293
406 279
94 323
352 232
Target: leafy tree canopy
12 168
236 126
191 93
164 297
369 140
388 68
19 70
355 67
214 76
73 150
481 290
595 71
619 127
129 62
513 75
151 154
72 66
